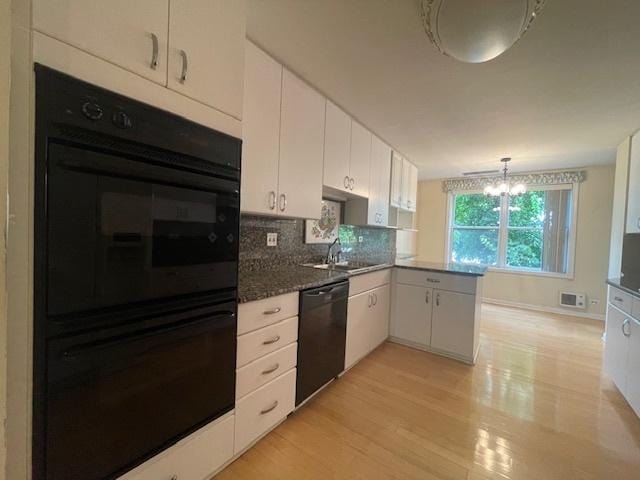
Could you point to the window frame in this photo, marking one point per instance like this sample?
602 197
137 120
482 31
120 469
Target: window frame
503 232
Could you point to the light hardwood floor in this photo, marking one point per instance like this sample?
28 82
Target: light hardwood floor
536 406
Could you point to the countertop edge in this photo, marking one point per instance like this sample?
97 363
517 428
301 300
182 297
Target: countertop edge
615 283
441 270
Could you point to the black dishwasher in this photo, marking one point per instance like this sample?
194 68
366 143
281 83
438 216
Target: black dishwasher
322 335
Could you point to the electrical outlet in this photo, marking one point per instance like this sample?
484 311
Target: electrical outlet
594 301
272 239
360 239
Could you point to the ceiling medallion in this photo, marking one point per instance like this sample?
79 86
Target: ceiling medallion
504 187
476 31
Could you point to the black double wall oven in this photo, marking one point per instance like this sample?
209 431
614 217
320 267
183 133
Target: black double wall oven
136 252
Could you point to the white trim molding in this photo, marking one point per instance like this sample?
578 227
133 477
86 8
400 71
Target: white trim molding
529 179
541 308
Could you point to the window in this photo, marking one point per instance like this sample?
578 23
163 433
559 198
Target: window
531 232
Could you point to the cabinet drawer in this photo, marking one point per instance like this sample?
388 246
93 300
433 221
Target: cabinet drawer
620 299
258 314
635 311
259 411
266 340
441 281
368 281
265 369
196 457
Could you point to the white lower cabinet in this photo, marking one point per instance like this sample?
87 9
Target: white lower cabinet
616 347
262 409
622 346
453 323
367 315
195 458
437 311
265 369
411 319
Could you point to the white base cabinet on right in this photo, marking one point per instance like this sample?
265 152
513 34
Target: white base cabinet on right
438 312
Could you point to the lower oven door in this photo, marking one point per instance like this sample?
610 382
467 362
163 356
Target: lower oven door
115 399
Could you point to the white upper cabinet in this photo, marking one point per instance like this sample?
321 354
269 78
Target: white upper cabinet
412 195
395 199
261 132
337 148
633 195
379 185
206 51
131 34
301 149
360 161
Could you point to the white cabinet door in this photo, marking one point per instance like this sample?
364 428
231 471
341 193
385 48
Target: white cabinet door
406 183
378 213
337 148
633 367
453 321
411 318
301 149
261 132
359 315
360 162
616 347
412 199
633 196
379 330
206 52
128 34
396 180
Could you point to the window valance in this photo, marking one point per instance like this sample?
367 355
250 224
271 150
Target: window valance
529 179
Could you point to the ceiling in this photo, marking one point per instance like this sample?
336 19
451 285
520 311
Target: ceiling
564 96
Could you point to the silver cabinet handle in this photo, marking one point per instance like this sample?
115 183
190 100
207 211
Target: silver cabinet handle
269 409
185 66
346 182
271 370
375 299
369 301
426 297
437 299
618 299
154 51
433 280
272 200
283 202
272 311
624 332
352 182
271 340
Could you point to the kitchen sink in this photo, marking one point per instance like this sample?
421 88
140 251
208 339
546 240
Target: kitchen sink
347 267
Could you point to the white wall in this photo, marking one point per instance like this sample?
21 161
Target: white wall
619 211
5 84
592 246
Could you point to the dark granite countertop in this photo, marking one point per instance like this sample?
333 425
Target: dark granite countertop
455 268
256 285
278 281
622 285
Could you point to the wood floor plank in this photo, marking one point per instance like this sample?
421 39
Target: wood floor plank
535 406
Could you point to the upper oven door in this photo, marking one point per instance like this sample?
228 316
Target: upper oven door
121 230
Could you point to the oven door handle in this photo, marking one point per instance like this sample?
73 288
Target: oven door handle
113 166
76 352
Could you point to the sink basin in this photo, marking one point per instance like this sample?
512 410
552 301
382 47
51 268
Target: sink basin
347 267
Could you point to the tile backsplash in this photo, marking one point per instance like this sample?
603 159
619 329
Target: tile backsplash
378 244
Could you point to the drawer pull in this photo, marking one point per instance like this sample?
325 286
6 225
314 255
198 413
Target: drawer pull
270 409
174 477
272 311
271 340
433 280
618 299
271 370
625 323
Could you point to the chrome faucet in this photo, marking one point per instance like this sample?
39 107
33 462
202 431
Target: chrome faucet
333 258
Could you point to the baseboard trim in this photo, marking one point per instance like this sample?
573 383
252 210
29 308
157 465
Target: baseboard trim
540 308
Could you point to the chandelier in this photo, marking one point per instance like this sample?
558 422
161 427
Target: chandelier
505 187
475 31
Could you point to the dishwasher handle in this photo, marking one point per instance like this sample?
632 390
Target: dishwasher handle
328 293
